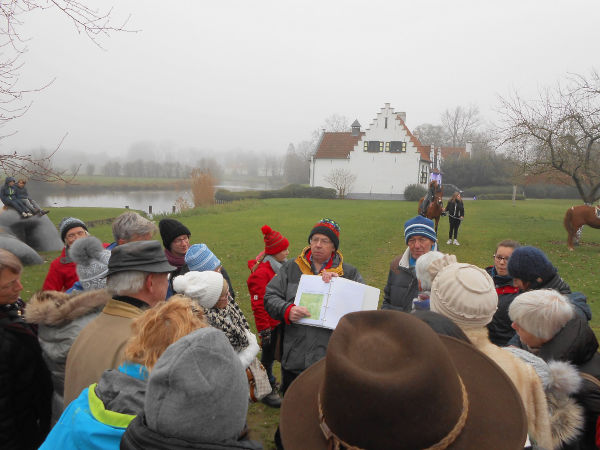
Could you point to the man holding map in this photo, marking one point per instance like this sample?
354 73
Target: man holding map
304 345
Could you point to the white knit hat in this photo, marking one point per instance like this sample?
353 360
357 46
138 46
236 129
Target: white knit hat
203 287
465 294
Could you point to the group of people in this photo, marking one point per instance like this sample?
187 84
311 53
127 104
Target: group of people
142 345
14 194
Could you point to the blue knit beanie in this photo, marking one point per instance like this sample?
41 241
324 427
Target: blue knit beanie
200 259
419 226
530 263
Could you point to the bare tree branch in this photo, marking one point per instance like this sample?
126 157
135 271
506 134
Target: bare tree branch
342 180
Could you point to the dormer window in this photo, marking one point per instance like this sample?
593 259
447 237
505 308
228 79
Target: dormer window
395 147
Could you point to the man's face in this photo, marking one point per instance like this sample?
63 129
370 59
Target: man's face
321 247
180 245
419 245
11 183
10 286
73 234
501 260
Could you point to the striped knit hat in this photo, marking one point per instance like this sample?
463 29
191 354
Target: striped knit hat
329 228
275 242
199 258
419 226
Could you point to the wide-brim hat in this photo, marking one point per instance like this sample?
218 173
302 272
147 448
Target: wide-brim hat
389 381
143 256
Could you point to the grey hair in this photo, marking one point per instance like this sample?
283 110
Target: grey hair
421 267
9 261
126 282
130 224
541 312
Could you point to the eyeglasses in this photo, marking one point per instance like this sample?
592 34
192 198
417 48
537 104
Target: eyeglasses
324 241
501 258
181 240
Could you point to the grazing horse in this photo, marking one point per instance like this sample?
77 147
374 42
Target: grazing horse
436 207
578 216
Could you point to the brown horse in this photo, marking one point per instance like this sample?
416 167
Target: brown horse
436 207
575 218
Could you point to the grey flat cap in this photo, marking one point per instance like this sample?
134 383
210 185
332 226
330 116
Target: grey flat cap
145 256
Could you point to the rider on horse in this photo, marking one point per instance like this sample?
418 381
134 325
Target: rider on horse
429 197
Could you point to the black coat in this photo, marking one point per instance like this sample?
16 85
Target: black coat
577 344
25 384
455 210
401 287
500 327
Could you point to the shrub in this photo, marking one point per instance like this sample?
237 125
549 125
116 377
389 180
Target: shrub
414 192
499 197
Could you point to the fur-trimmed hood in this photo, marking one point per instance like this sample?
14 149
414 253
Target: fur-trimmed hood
53 308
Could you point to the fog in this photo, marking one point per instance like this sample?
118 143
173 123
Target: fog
255 76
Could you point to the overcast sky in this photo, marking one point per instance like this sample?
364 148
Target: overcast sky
258 75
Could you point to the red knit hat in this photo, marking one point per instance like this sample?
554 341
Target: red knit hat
274 241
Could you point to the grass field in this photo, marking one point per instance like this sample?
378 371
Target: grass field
371 235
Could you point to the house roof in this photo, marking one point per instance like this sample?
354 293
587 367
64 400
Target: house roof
449 151
337 144
424 150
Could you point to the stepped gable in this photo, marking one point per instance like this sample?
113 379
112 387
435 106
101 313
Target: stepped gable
424 150
337 144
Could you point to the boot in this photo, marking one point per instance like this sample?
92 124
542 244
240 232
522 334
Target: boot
273 399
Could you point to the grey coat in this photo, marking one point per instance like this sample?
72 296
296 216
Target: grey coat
402 285
303 345
60 317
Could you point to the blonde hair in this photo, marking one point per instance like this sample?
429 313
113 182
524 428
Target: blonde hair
160 327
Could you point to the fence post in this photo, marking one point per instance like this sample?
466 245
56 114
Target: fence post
150 209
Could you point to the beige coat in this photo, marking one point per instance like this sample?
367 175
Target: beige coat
525 380
100 346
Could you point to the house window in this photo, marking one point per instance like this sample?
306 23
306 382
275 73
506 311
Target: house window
423 179
386 122
373 146
387 146
397 147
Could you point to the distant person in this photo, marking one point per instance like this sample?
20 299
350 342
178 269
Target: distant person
402 285
98 417
131 227
456 213
25 384
8 195
500 327
428 197
62 274
137 278
24 197
263 269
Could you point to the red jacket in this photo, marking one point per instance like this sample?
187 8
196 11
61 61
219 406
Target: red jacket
257 284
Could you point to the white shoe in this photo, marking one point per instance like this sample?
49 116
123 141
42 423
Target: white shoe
449 241
456 242
24 214
29 215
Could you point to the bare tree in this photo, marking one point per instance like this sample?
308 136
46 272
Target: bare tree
95 24
558 134
429 134
342 180
461 123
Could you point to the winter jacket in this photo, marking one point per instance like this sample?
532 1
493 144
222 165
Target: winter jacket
257 285
500 327
526 381
21 193
577 344
455 210
25 384
302 345
8 193
139 437
61 275
402 285
97 419
100 345
60 317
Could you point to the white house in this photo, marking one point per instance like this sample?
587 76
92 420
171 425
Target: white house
385 158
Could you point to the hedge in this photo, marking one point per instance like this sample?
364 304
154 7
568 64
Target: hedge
289 191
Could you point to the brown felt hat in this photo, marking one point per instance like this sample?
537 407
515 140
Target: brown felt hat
389 381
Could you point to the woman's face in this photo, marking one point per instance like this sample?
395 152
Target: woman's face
501 258
224 298
527 338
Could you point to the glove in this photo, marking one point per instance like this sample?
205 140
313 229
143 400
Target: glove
265 337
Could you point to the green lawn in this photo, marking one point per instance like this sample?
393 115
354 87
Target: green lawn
371 235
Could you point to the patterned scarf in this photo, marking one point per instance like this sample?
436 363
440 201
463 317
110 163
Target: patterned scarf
232 322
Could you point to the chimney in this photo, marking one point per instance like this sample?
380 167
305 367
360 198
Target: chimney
355 128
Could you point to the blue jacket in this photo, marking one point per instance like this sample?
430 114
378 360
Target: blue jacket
88 424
